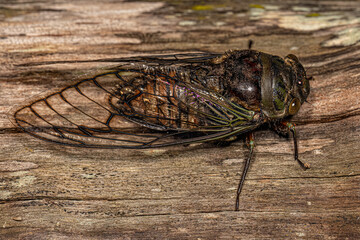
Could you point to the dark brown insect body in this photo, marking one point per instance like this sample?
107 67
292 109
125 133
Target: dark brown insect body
185 99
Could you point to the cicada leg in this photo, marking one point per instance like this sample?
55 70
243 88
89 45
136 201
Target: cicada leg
285 127
251 144
291 127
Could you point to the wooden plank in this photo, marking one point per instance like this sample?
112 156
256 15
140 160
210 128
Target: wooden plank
51 192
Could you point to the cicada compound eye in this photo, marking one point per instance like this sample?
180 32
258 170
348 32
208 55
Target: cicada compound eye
294 106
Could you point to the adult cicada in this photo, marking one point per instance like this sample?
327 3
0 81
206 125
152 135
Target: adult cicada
180 99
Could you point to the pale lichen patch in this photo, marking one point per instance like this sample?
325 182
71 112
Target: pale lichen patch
187 23
304 23
346 37
5 195
24 181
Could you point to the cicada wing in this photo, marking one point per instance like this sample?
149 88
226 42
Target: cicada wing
106 111
170 59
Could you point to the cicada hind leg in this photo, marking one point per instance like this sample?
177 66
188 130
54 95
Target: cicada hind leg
250 140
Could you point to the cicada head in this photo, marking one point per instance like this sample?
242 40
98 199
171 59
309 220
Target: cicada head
284 86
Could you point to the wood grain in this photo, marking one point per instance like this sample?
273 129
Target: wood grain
55 192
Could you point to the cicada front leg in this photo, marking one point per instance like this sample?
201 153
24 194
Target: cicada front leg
285 127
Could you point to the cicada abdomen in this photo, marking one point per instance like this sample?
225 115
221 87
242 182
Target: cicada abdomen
184 99
175 101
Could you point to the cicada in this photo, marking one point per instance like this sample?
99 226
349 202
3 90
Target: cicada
180 99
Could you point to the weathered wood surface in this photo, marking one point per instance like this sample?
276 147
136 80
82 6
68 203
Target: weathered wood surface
54 192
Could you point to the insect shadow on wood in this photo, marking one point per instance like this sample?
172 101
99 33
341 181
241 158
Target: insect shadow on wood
181 99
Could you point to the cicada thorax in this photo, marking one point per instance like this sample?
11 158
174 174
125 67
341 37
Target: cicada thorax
241 77
263 82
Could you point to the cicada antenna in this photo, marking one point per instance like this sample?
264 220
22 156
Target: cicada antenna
309 103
